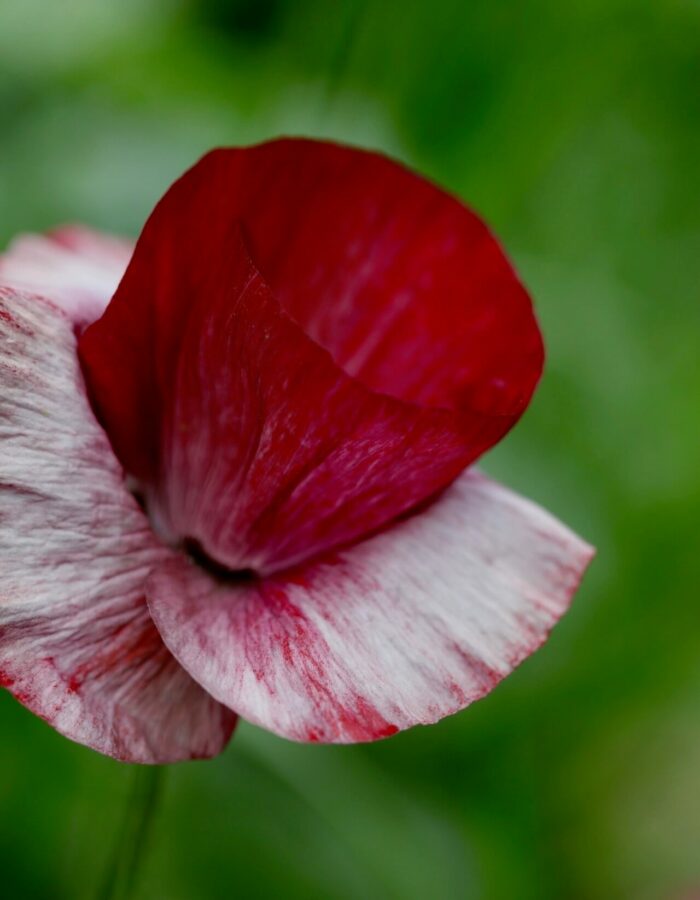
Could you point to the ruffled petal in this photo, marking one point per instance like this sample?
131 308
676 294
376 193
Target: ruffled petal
78 269
266 425
77 644
404 628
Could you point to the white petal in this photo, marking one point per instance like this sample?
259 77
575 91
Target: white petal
76 268
404 628
77 645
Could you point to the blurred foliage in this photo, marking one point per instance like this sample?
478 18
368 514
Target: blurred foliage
574 128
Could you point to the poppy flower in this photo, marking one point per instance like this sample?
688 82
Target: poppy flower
243 485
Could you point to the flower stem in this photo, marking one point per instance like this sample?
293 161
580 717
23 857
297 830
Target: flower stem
124 866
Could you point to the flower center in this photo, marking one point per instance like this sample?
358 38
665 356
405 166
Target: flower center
193 548
190 545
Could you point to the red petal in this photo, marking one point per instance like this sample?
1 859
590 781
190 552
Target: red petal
394 347
404 628
77 644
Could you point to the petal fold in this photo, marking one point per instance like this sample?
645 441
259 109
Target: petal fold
404 628
77 644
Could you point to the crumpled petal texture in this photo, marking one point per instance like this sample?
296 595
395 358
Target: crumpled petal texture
309 341
77 644
404 628
77 268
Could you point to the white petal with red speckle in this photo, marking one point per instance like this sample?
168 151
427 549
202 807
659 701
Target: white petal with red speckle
405 628
77 645
75 267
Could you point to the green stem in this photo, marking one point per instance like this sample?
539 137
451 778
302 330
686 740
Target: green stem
124 867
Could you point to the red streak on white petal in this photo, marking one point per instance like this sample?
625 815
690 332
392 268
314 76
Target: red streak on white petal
405 628
77 644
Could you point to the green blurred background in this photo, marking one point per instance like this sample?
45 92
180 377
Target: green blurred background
574 128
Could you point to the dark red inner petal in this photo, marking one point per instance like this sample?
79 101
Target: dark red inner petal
217 391
403 285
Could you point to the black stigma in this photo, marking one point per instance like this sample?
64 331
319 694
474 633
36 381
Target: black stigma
198 554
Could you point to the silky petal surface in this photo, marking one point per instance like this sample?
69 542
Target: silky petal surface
309 341
77 644
77 268
404 628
